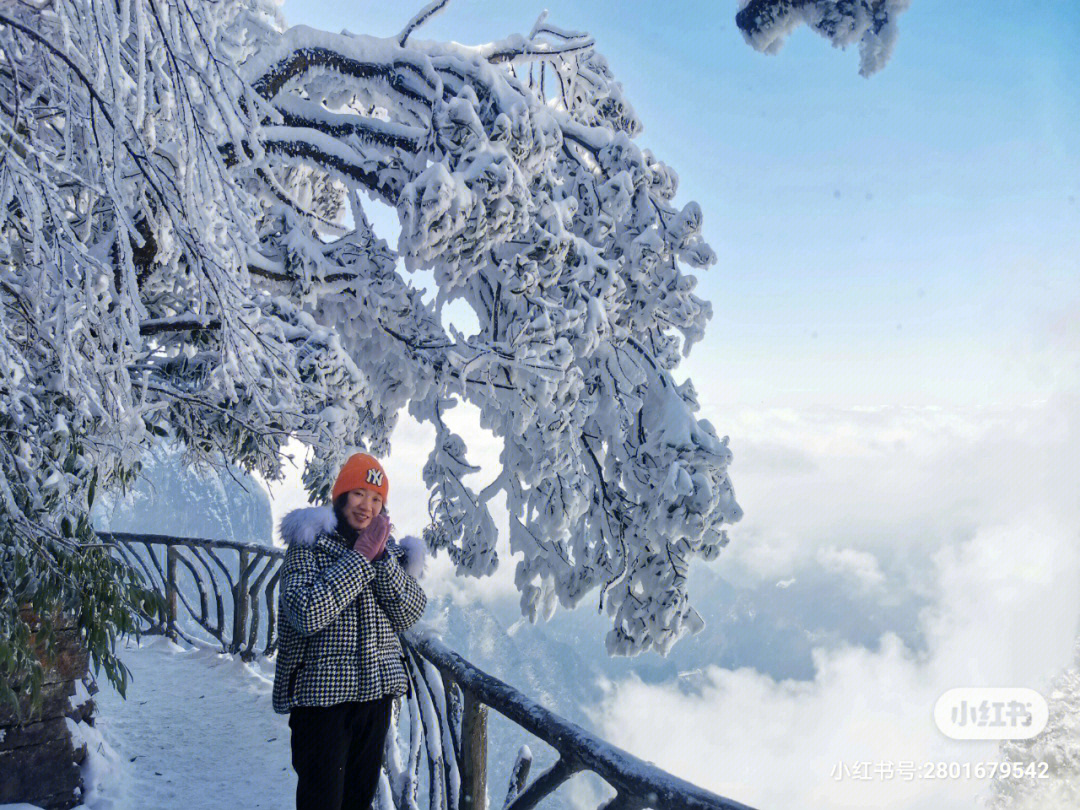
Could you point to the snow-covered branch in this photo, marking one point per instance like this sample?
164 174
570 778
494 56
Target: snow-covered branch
519 50
426 13
871 23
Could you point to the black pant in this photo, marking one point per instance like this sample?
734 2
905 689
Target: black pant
337 752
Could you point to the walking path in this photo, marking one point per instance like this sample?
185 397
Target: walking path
196 731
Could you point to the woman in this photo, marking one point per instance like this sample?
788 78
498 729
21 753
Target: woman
347 589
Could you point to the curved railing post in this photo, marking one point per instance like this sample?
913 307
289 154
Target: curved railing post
519 775
240 603
170 591
473 753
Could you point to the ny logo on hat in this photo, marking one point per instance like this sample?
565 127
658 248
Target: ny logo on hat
374 477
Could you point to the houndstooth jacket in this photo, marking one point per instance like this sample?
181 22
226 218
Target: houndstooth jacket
339 614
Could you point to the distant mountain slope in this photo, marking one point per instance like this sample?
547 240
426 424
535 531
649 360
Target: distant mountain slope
170 498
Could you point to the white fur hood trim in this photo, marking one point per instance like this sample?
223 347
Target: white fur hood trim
415 555
303 527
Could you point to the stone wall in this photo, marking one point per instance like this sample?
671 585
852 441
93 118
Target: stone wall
39 764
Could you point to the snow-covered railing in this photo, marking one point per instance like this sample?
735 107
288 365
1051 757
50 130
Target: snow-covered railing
446 706
638 784
234 621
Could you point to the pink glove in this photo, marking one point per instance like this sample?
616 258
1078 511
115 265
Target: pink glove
372 540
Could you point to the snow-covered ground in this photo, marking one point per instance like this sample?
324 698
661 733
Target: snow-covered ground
196 731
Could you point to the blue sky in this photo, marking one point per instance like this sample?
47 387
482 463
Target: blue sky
902 240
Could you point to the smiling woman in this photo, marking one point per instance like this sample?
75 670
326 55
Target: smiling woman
347 590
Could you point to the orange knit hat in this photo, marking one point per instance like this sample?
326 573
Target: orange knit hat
361 471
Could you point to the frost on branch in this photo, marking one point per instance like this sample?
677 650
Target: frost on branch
187 254
871 23
1049 761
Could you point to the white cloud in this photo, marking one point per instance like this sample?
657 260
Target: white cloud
894 482
1005 615
861 566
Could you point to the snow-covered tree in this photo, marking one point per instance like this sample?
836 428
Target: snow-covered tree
186 254
871 23
118 210
1044 771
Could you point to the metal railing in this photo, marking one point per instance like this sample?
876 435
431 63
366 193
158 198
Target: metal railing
447 705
